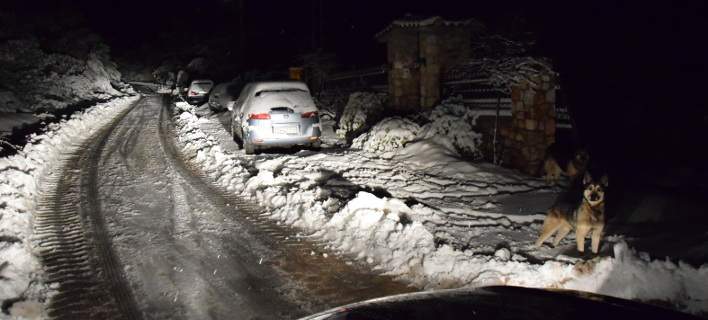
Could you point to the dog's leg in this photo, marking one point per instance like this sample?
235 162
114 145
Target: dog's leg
553 171
580 233
564 229
571 171
549 172
550 225
596 235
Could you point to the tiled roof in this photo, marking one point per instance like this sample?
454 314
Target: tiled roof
414 22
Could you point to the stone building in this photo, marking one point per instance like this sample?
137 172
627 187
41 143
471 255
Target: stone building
419 51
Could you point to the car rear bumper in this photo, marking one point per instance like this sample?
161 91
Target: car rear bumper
285 142
196 99
263 136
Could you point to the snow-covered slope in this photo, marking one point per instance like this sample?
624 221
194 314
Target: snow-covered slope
32 78
22 289
432 219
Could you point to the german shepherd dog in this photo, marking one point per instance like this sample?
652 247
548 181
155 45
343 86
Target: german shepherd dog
586 215
556 164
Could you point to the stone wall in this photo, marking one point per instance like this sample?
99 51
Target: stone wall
533 124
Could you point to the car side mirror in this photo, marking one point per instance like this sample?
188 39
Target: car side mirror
230 105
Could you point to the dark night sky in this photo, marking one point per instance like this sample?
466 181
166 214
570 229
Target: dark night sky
275 30
634 72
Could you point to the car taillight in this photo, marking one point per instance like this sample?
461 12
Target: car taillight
259 116
310 114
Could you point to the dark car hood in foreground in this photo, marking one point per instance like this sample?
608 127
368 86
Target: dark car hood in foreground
501 302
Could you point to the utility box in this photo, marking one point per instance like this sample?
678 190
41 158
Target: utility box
418 52
295 73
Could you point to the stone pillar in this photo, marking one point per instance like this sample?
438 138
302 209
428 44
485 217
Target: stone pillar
404 74
431 65
533 125
419 51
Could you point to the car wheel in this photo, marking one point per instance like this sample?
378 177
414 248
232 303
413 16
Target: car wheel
233 131
249 148
316 145
234 135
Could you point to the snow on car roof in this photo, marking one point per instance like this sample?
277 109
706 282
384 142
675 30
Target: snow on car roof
279 85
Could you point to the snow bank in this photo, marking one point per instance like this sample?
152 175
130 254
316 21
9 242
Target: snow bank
380 230
361 111
392 235
20 180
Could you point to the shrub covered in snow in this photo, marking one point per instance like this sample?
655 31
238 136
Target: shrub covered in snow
388 135
454 123
34 78
363 109
450 124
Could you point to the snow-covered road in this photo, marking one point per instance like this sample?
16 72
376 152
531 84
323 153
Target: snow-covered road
160 242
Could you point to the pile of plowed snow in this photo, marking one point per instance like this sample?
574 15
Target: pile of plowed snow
23 290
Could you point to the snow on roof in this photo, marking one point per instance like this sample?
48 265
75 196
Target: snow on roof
414 22
279 85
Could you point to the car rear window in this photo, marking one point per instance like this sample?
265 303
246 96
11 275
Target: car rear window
280 90
205 86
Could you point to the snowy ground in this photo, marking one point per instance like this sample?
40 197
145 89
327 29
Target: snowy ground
425 216
23 291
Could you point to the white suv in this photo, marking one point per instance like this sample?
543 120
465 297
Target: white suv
275 114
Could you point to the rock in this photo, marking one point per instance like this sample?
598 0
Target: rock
503 254
551 96
531 124
528 97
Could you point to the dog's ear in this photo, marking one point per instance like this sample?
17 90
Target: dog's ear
587 178
605 182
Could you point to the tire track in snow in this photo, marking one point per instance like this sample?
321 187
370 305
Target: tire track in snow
72 242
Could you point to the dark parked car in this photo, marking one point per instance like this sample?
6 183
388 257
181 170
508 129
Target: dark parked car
199 91
221 95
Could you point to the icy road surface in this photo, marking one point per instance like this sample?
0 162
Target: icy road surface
164 244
